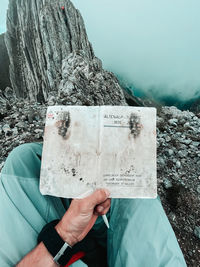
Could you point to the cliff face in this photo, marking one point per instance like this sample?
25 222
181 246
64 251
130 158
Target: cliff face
4 64
40 35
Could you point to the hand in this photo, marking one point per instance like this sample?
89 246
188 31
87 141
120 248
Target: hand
82 215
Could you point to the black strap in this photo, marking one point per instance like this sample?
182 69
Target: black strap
53 242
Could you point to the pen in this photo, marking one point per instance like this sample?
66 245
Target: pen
105 221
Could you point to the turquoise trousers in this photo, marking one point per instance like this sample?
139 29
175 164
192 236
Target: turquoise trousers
140 234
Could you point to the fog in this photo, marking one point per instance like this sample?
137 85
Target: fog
152 44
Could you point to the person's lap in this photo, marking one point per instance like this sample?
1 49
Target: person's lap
139 234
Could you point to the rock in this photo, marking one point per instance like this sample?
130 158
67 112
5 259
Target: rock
161 161
196 144
187 125
23 117
178 164
9 94
190 253
6 128
4 68
167 138
172 216
1 165
51 101
167 184
86 81
38 135
21 124
40 57
198 189
187 142
160 121
15 131
197 231
183 153
38 131
56 56
170 152
173 122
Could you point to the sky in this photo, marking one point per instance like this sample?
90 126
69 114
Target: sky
150 43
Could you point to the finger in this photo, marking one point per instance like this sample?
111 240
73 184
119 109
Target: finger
99 196
104 211
103 206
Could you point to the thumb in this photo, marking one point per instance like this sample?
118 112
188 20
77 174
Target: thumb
99 196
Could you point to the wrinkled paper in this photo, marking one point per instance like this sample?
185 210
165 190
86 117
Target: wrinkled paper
90 147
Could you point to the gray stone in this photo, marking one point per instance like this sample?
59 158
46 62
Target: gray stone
161 140
187 125
195 144
15 131
6 128
173 122
1 165
182 121
198 189
9 93
183 153
170 152
178 164
157 144
167 183
161 161
172 216
159 121
167 138
197 231
195 118
21 124
38 131
190 253
51 100
187 142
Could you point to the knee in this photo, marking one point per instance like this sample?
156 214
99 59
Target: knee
135 206
21 152
21 157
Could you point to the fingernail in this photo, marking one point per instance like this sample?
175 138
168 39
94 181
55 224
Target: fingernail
100 208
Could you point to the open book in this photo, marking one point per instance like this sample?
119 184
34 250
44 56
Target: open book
90 147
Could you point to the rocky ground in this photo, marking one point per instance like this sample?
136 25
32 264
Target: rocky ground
178 143
178 148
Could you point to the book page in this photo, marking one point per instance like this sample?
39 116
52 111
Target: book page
69 158
111 147
127 165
